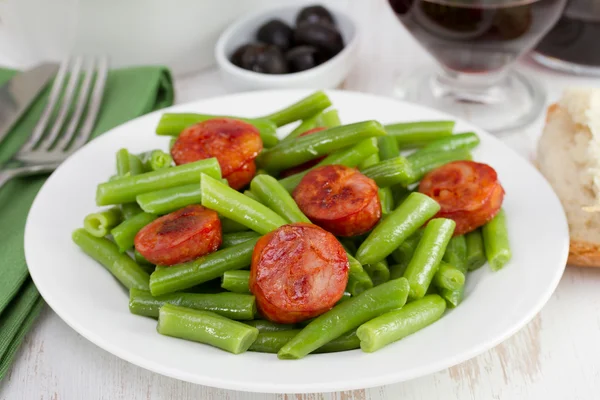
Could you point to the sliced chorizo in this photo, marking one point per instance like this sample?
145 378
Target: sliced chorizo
180 236
468 193
234 143
339 199
298 271
304 166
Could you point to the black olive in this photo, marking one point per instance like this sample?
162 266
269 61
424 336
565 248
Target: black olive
258 57
276 32
302 58
322 36
236 58
315 14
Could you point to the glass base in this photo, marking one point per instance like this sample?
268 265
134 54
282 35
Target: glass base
512 102
565 66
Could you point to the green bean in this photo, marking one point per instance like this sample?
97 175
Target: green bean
234 205
452 297
397 227
302 109
358 279
272 342
378 272
326 119
448 277
203 269
390 172
348 341
140 259
126 189
428 254
305 126
400 194
167 200
459 141
348 244
369 161
475 250
387 200
496 243
306 148
231 305
249 193
268 326
236 281
388 147
273 195
124 233
155 159
345 296
128 165
205 327
100 223
397 270
423 161
398 324
456 253
233 239
406 249
329 119
106 253
230 226
350 157
345 317
415 134
172 124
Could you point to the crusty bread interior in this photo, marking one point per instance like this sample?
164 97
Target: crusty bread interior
568 155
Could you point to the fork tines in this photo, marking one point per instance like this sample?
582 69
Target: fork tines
60 129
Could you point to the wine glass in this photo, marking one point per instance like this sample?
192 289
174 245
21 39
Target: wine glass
475 43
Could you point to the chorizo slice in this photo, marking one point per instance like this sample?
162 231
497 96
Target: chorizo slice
180 236
468 193
234 143
304 166
298 271
339 199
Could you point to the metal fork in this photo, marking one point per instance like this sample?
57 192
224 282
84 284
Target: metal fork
80 95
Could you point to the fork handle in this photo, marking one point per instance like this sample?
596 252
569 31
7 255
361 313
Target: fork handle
10 173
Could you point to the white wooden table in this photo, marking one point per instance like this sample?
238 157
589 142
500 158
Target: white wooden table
556 356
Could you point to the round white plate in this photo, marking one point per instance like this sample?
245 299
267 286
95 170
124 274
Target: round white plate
93 303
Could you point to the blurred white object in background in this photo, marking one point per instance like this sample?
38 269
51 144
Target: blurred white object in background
180 34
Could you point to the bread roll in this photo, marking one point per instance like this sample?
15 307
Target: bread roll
568 155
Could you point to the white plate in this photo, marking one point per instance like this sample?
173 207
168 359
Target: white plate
496 305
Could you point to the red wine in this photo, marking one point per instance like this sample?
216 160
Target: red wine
477 35
575 36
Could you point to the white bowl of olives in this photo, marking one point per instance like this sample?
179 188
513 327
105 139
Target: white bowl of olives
310 47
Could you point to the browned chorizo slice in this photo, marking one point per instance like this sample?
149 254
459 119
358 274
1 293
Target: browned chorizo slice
468 193
234 143
298 271
339 199
180 236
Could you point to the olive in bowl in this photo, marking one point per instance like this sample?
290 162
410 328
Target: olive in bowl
312 60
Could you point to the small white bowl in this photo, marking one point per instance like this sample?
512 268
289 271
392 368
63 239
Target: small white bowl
325 76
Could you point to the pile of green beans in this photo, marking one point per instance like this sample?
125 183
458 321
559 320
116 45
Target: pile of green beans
402 275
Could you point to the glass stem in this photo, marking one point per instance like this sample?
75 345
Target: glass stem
484 88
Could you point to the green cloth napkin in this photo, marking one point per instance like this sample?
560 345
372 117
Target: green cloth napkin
129 93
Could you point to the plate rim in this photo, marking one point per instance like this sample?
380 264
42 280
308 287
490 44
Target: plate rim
330 386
